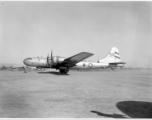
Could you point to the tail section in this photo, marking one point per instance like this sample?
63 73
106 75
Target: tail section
112 57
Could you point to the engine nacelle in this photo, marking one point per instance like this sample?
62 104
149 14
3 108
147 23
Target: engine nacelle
56 60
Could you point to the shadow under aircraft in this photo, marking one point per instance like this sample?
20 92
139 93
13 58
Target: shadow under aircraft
53 72
109 115
136 109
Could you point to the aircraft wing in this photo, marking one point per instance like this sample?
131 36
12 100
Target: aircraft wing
72 61
115 63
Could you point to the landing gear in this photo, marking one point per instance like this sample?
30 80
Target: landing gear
25 69
113 68
65 71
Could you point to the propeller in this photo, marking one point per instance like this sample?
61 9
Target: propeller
54 60
48 60
52 57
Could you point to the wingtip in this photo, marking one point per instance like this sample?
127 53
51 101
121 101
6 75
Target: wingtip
88 53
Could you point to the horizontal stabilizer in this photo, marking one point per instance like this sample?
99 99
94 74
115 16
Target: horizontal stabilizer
72 61
115 63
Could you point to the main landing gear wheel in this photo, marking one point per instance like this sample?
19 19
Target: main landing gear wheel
65 71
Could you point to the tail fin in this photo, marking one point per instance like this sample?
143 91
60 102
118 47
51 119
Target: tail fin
113 56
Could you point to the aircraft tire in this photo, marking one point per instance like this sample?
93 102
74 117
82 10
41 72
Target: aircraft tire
64 71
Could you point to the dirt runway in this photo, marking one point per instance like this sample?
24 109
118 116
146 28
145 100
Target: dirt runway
91 94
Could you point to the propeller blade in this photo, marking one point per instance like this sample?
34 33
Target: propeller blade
48 60
52 57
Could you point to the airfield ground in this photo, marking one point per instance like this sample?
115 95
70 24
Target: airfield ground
91 94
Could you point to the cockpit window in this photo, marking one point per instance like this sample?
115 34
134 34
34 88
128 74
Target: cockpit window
29 58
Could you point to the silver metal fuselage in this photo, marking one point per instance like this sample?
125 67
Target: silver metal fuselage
111 60
42 63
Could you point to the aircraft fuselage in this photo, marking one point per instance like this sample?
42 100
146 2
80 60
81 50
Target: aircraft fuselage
76 61
42 63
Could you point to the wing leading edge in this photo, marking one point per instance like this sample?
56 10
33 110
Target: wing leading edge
72 61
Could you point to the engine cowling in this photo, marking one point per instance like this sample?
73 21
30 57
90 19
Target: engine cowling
54 61
57 60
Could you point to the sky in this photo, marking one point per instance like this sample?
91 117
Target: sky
31 29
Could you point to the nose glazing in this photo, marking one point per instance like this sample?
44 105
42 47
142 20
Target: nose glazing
25 61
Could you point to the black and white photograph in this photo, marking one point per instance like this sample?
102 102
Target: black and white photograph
76 59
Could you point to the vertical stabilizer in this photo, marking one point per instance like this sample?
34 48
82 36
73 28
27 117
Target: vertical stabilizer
113 56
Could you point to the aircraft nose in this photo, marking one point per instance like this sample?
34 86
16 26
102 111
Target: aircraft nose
25 61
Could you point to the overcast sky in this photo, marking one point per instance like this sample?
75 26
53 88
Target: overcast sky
31 29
